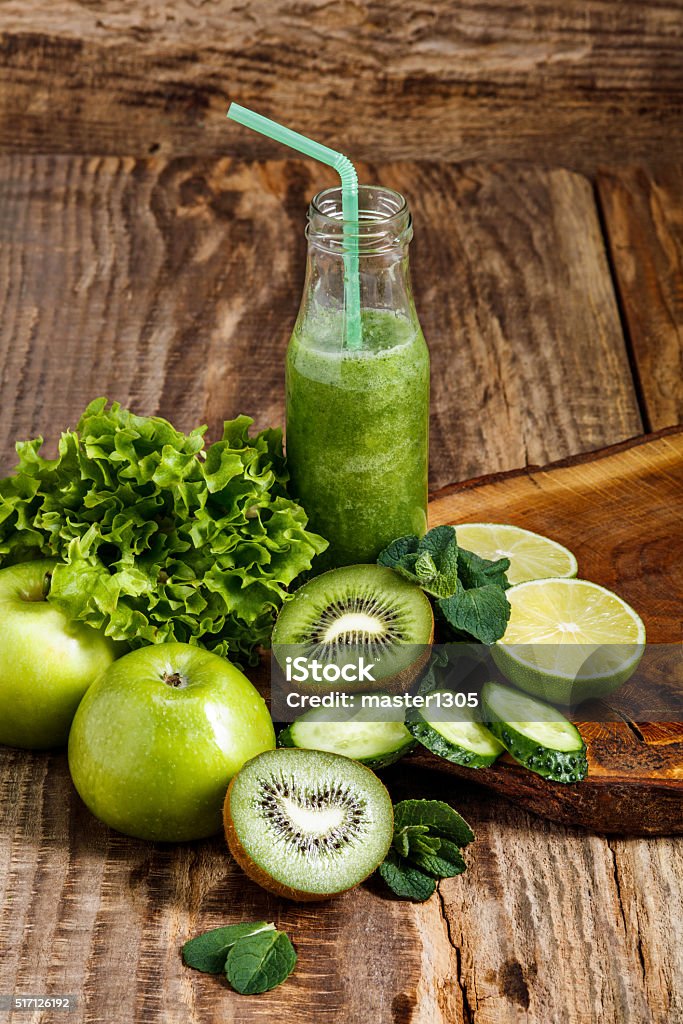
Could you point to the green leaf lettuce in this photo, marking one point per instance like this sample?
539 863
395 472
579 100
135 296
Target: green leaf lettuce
160 537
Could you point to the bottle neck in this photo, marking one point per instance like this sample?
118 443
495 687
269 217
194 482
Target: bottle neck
380 242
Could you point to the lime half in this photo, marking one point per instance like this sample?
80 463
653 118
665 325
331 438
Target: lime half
568 640
532 557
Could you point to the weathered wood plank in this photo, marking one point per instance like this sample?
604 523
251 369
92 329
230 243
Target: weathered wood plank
648 879
553 924
571 83
548 923
514 295
633 788
643 214
103 917
173 286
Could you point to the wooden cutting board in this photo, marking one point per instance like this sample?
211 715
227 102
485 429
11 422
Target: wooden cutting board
620 510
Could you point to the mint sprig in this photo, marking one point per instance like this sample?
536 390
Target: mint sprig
430 561
468 591
255 956
209 951
428 838
260 962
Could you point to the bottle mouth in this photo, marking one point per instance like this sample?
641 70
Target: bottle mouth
384 222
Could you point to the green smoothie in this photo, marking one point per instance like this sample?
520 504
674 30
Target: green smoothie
357 432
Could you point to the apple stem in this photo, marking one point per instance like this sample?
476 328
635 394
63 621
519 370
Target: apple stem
175 679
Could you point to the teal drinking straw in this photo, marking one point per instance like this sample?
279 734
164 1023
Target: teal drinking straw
349 185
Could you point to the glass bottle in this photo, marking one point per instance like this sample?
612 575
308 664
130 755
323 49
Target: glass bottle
358 419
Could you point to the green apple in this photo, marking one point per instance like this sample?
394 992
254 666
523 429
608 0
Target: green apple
158 737
47 661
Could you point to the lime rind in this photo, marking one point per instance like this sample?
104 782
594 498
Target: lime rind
532 555
539 657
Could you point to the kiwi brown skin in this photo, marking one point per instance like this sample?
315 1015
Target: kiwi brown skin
261 877
402 681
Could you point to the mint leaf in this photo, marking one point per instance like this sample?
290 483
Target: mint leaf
431 680
209 951
260 962
425 567
401 840
159 537
440 548
431 563
440 818
447 863
398 550
424 846
482 612
428 835
406 839
404 880
475 571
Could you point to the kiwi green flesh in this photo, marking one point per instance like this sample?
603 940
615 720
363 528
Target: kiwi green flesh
312 823
367 609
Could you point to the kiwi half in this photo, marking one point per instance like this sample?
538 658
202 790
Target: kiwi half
359 610
306 824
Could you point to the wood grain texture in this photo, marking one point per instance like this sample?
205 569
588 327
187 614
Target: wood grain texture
103 917
516 302
173 286
643 215
618 510
635 783
570 83
547 924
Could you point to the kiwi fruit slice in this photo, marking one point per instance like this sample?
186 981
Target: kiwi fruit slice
307 824
358 611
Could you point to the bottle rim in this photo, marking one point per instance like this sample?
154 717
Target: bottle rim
384 222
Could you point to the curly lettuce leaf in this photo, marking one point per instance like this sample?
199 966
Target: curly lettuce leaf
161 538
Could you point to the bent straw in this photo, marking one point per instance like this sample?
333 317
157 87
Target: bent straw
349 186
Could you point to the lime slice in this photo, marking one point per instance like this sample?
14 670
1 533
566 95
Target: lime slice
532 557
568 640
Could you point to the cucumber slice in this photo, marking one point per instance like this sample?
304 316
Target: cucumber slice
373 743
463 741
535 734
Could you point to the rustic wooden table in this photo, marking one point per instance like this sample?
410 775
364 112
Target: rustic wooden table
553 304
